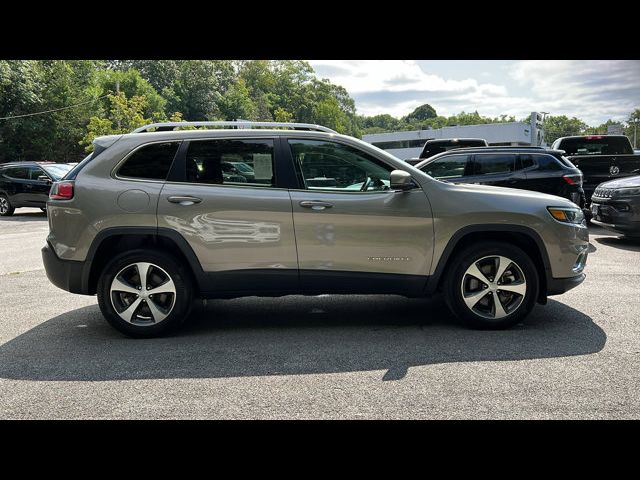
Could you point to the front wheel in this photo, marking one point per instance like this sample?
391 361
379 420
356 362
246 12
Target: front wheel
145 293
491 285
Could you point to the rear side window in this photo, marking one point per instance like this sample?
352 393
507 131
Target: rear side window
526 161
231 162
450 166
20 173
150 162
493 164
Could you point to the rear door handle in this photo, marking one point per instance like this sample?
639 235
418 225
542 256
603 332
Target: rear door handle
315 204
186 200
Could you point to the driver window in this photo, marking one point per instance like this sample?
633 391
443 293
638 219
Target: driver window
335 167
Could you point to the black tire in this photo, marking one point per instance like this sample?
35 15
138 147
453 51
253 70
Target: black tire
453 286
8 210
183 299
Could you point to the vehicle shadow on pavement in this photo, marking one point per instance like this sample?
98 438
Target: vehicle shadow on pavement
624 243
290 336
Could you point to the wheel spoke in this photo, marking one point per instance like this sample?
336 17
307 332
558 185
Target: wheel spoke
474 298
128 313
158 316
503 264
519 288
167 287
498 309
474 271
143 271
119 286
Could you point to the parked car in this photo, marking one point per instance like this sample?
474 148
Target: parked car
615 205
528 168
600 158
135 225
27 184
433 147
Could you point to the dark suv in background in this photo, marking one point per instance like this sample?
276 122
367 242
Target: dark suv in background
527 168
27 184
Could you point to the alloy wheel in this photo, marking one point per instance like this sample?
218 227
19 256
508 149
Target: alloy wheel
493 287
143 294
4 205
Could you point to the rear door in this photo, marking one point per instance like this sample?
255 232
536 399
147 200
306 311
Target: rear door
498 169
17 185
240 229
353 233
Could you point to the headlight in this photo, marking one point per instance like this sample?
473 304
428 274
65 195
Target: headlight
626 192
567 214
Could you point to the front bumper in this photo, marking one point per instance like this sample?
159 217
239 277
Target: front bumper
620 215
558 286
65 274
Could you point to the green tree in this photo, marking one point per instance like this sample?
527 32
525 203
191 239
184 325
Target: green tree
562 126
124 115
423 112
236 103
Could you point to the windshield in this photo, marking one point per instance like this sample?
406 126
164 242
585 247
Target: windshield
58 170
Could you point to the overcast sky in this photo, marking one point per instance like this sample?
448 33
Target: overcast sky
593 91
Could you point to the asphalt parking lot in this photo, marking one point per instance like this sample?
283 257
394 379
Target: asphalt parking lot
319 357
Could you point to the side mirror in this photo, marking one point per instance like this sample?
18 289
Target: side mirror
401 180
44 178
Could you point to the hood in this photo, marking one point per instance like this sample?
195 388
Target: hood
622 182
512 193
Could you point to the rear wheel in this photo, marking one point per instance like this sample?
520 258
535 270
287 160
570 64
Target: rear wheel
145 293
6 210
492 285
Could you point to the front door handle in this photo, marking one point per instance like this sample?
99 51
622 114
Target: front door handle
315 204
186 200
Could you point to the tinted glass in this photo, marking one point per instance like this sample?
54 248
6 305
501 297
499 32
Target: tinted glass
596 146
17 172
35 172
215 161
451 166
547 163
333 166
151 162
526 161
494 164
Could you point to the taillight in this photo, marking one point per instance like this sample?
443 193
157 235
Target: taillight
61 191
573 179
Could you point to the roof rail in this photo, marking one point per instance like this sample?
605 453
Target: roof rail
164 126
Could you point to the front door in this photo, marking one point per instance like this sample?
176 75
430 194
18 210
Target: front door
239 227
353 233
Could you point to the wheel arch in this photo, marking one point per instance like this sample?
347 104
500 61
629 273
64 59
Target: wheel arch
116 240
524 237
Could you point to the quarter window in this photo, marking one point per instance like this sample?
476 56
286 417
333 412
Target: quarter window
231 162
450 166
333 166
150 162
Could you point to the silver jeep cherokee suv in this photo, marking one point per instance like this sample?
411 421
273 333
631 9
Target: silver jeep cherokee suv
151 220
